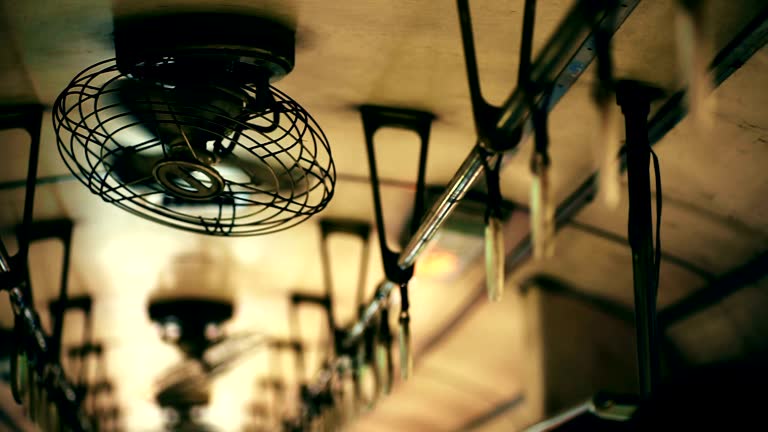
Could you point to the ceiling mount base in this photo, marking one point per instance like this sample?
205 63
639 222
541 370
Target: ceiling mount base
210 46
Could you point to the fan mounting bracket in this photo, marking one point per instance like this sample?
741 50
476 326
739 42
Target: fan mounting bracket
211 46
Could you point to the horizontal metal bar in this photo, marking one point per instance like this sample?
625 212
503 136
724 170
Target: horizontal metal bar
605 305
5 259
661 122
749 40
562 418
719 289
563 59
299 298
561 62
468 173
621 240
497 411
357 330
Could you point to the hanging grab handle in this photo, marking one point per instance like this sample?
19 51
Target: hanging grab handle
494 234
542 209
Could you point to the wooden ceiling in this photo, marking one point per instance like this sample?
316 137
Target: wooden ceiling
472 356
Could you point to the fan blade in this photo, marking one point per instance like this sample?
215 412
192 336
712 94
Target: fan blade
121 122
185 384
278 177
133 149
187 370
222 355
191 375
131 167
199 118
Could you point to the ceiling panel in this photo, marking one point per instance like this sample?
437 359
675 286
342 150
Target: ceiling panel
406 54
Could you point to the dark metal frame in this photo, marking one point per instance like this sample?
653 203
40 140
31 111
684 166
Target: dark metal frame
635 101
753 37
361 230
14 269
420 122
297 347
262 211
561 62
720 288
59 229
728 60
14 277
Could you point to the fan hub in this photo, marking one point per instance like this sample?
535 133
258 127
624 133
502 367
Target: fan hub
189 180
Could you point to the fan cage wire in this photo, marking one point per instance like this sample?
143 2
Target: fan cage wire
86 153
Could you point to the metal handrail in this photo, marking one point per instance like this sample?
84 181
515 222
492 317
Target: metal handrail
561 61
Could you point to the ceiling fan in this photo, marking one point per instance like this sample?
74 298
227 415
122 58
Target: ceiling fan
190 306
184 128
194 325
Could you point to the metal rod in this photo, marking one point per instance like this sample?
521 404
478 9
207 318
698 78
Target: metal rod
731 58
328 283
573 41
621 240
719 289
526 43
561 61
357 330
5 259
468 173
58 322
562 418
636 105
472 167
505 406
35 124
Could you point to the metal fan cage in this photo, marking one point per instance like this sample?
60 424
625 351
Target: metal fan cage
92 130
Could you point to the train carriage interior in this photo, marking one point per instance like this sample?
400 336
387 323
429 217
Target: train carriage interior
377 215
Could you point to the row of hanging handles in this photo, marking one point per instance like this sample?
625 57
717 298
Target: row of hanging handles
37 383
373 359
359 383
693 54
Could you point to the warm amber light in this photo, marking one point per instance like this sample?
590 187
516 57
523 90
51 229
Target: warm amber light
437 264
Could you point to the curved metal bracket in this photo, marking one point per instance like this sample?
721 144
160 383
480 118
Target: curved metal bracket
362 230
484 114
375 118
14 269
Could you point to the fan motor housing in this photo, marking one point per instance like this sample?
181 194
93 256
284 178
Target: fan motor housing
192 316
209 46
